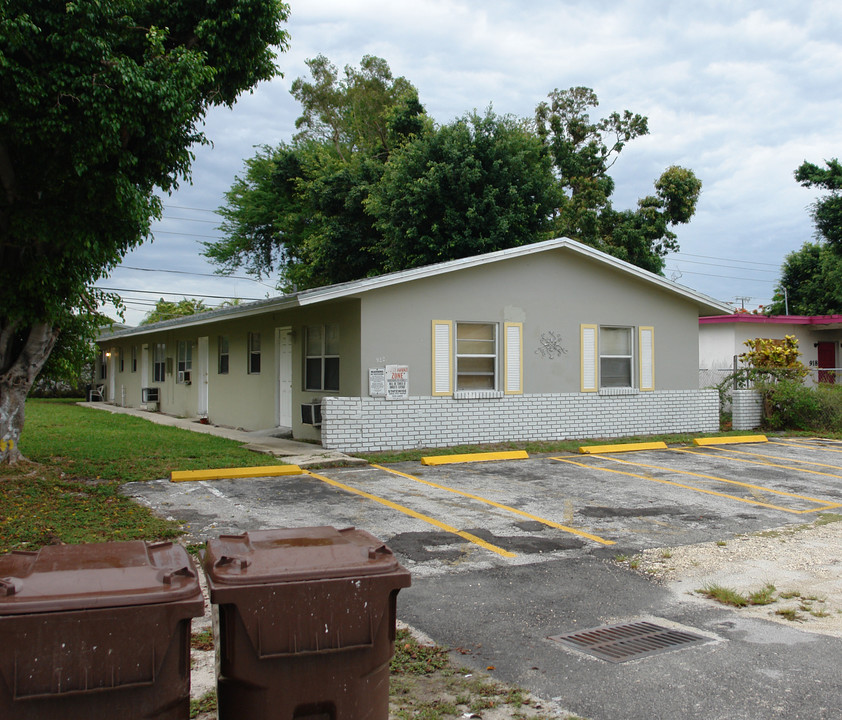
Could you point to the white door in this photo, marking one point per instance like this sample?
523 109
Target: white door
203 377
283 353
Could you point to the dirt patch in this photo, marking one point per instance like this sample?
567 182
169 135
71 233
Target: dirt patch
802 563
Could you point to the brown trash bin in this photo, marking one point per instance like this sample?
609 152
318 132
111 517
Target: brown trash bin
97 631
305 623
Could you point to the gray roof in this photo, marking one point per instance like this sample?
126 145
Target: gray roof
706 304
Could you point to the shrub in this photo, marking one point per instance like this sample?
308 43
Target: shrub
793 406
790 405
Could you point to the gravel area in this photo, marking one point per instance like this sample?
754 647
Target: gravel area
803 562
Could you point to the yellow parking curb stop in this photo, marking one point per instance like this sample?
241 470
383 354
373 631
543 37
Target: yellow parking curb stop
627 447
475 457
234 473
731 440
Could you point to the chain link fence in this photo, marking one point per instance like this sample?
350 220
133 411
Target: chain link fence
712 377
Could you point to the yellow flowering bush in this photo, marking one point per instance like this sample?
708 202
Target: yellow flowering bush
773 354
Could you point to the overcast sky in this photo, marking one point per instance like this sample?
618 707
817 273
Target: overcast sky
739 93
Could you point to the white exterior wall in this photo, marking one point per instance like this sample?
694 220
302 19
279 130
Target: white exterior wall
373 424
717 347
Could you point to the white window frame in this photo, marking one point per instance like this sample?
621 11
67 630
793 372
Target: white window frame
642 359
253 354
159 362
494 356
317 382
629 358
508 360
223 345
184 361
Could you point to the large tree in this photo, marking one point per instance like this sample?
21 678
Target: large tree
826 211
171 309
101 105
583 151
299 207
810 283
811 278
479 184
369 184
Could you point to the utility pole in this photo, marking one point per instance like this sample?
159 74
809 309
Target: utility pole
742 300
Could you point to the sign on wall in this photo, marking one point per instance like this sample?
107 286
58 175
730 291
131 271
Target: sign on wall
377 382
397 382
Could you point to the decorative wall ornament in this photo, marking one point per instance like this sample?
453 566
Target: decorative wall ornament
550 346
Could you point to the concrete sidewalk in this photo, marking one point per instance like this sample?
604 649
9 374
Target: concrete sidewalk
292 452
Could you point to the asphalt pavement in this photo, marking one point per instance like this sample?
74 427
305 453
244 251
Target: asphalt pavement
507 556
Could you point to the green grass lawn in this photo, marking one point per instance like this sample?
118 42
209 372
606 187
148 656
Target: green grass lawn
78 457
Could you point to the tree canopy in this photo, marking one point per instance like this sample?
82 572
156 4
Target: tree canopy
583 152
101 103
811 277
370 184
171 309
479 184
827 211
299 206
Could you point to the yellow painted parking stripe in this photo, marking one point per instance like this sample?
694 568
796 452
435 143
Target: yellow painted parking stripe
590 466
768 464
414 513
475 457
234 473
507 508
623 447
716 478
822 448
730 440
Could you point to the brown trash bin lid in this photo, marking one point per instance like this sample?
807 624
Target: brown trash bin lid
291 554
82 577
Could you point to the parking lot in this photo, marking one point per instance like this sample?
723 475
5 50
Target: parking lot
507 555
466 515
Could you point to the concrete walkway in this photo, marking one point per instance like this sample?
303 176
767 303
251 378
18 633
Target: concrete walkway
292 452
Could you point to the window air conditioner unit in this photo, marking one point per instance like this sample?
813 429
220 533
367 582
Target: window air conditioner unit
184 376
311 414
149 394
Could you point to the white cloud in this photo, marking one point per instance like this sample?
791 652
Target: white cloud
741 94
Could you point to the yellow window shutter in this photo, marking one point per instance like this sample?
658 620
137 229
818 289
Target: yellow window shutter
646 342
513 358
588 336
442 357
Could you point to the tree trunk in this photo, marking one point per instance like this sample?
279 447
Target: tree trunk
19 366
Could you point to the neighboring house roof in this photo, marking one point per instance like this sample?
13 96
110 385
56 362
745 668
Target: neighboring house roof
357 287
823 322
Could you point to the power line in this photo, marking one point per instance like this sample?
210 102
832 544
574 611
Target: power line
182 207
172 217
727 277
168 232
187 272
729 260
761 270
158 292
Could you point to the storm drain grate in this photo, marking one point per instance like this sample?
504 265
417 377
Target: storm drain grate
619 643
